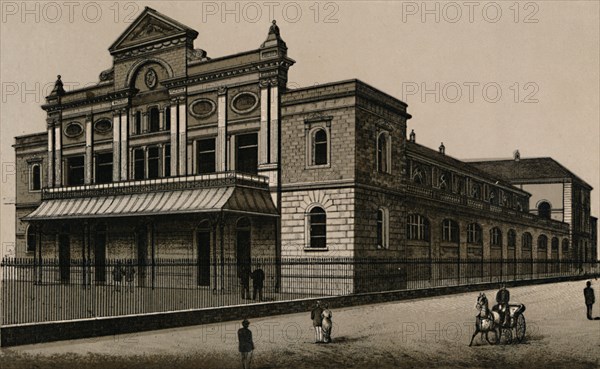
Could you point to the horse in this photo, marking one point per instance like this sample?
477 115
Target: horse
486 320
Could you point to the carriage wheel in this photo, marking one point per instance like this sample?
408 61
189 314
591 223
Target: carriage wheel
520 328
506 334
496 337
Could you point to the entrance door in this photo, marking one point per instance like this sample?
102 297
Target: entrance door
243 247
64 257
203 240
100 256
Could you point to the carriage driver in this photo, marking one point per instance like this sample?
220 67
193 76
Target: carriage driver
502 298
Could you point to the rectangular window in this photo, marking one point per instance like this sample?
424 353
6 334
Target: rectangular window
167 161
139 164
153 162
247 153
75 170
154 117
137 123
104 167
206 156
168 118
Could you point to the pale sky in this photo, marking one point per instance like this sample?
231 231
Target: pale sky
486 78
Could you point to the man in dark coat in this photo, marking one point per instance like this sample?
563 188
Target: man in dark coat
502 298
246 344
258 278
588 294
317 319
245 281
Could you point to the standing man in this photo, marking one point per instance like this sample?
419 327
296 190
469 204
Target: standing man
502 298
588 294
317 319
246 345
245 281
258 278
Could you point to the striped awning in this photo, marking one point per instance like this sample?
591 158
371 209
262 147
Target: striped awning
203 200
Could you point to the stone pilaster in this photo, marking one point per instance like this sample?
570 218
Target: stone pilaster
221 144
89 155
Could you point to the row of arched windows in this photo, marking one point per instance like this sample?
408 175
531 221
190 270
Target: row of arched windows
418 229
319 149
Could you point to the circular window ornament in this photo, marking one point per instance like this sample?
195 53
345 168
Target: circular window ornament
244 102
151 79
103 126
73 129
202 108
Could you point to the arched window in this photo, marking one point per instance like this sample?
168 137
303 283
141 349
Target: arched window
384 153
544 209
496 237
320 152
154 120
317 226
35 178
417 228
542 242
554 244
526 241
383 226
450 231
511 238
474 234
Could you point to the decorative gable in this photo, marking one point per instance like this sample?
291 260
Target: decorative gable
151 27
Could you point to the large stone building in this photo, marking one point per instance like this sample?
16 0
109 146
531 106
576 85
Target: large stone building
174 154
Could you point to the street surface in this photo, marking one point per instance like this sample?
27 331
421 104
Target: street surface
428 332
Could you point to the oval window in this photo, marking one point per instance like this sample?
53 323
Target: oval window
103 126
244 102
73 130
202 108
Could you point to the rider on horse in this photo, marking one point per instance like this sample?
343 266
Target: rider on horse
502 298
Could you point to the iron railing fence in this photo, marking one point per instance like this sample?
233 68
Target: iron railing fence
54 290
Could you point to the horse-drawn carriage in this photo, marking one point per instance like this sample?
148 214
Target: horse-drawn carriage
489 320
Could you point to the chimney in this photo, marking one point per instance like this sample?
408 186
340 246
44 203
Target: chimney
442 149
413 136
517 155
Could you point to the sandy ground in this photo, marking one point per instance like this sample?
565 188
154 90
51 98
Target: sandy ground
431 332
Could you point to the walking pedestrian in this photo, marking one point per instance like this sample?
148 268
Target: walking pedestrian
588 294
317 320
246 345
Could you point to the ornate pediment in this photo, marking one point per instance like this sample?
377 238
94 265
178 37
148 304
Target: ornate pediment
149 27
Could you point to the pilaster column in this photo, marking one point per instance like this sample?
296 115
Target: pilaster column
58 153
89 155
263 138
274 123
221 144
161 119
116 146
124 143
182 125
174 130
50 174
